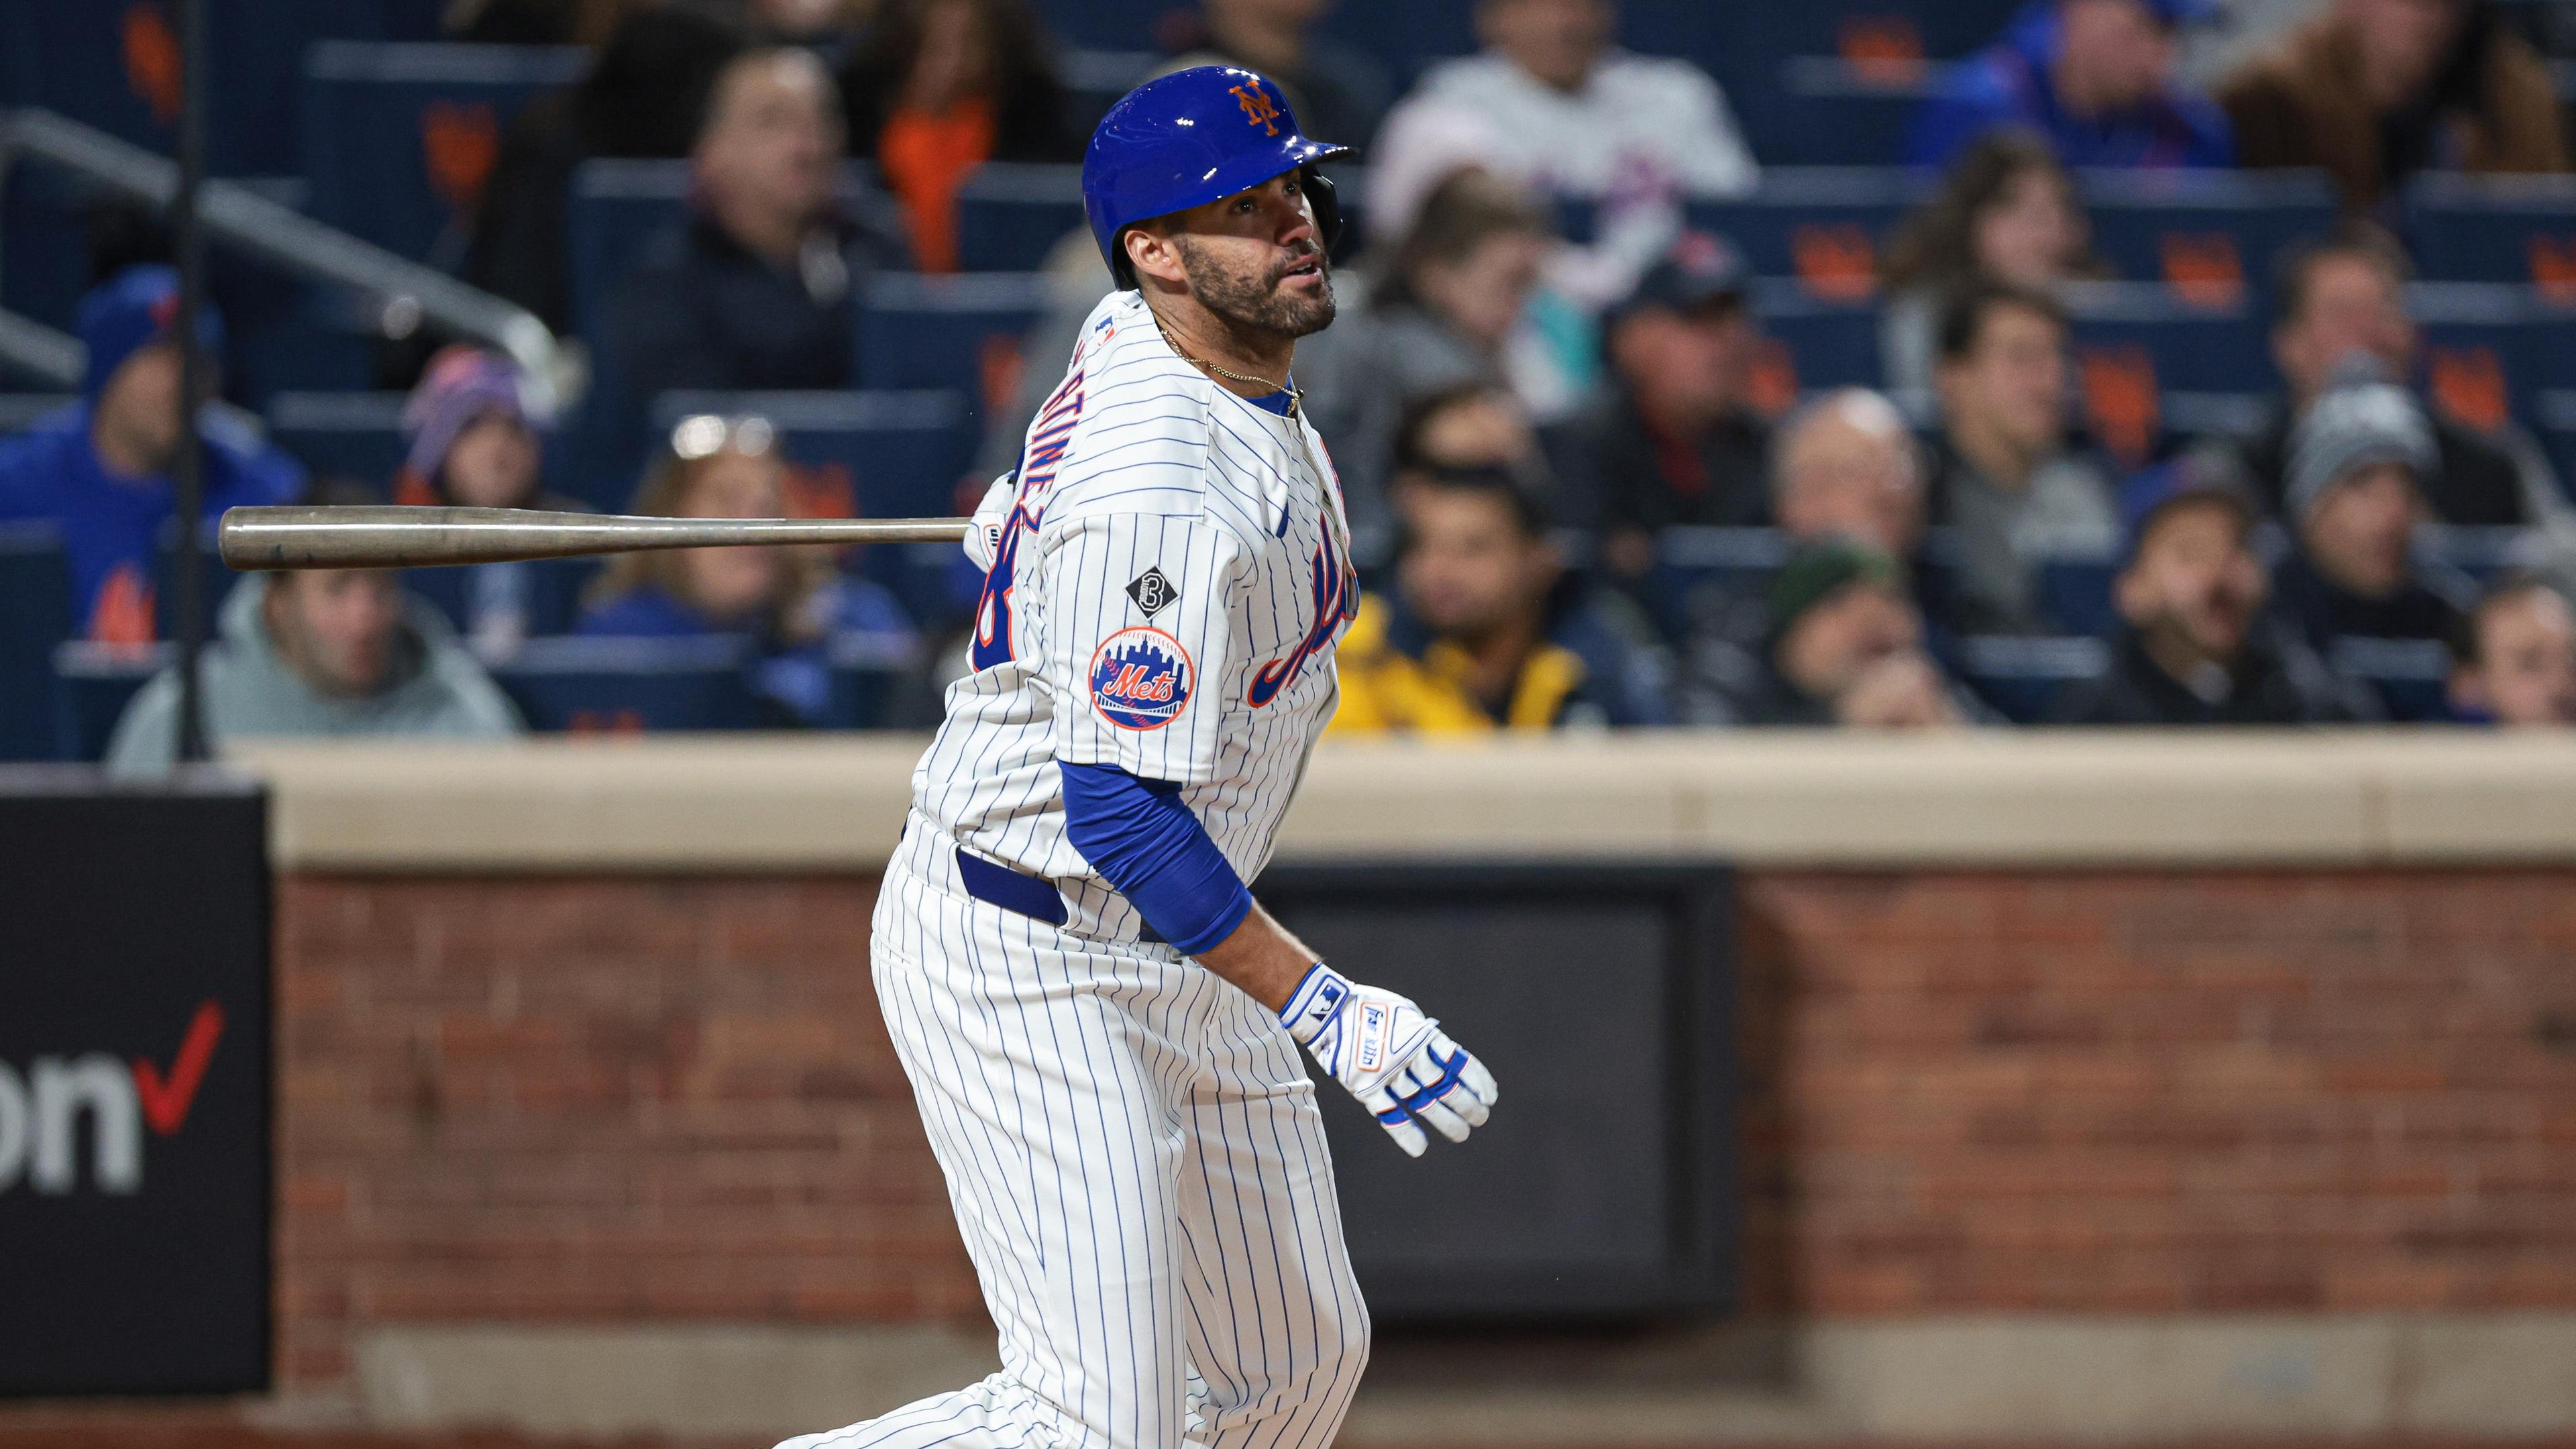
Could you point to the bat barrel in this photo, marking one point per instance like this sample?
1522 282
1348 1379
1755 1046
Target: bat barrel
262 539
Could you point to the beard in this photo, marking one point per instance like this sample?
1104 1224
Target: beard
1254 301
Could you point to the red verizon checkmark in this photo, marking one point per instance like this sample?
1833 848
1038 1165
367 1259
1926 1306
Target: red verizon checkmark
166 1103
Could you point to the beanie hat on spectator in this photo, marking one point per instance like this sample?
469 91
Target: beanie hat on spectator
129 312
2355 425
461 384
1816 573
2201 474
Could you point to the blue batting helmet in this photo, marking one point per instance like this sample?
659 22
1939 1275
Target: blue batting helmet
1189 138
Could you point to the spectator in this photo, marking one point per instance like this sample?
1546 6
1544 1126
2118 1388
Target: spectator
1845 647
2006 212
2093 76
474 444
2377 90
1473 425
756 287
1338 92
641 97
2339 302
1488 630
2195 647
1553 101
1674 439
98 468
1845 467
2513 659
321 652
472 440
2006 478
2355 468
787 603
938 88
1439 313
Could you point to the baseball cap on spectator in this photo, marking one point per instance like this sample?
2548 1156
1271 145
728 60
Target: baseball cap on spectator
1701 269
131 311
2354 425
2193 476
460 385
1818 572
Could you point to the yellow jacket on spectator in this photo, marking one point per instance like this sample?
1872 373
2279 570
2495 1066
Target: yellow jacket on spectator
1395 677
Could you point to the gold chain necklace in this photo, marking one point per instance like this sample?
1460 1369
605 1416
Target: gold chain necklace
1296 395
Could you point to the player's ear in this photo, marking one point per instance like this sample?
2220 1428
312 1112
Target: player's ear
1155 252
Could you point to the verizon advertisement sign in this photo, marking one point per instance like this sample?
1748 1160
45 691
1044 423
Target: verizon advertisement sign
134 1087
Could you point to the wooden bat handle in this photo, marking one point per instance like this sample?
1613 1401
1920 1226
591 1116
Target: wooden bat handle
397 537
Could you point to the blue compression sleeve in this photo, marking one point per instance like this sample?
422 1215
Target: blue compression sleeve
1145 842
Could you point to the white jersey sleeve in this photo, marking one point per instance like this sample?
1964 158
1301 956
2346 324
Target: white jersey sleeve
1143 641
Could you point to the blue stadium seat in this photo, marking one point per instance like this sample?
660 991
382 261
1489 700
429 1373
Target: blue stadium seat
2479 554
2409 675
2076 593
1828 111
1105 24
35 615
1095 79
614 207
2522 229
547 590
92 685
631 685
2134 342
866 675
1698 569
2206 235
961 334
1011 214
399 138
2023 679
2490 350
115 66
341 434
1815 344
215 583
1822 225
2553 418
890 454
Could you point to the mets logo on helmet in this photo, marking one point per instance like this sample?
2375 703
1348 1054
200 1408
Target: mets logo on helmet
1258 108
1140 679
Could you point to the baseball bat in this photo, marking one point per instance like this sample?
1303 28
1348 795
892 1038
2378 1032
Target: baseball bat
395 537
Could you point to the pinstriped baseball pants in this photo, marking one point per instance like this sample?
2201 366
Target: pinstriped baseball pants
1136 1161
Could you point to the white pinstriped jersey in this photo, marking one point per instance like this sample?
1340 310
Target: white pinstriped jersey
1165 598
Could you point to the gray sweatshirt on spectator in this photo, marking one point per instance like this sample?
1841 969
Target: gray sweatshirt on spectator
2067 508
437 688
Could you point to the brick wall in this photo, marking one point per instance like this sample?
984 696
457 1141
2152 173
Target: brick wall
2115 1092
671 1098
559 1100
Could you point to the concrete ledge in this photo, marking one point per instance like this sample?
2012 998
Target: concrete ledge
1987 1377
1964 798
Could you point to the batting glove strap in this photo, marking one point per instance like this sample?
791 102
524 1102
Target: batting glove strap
1451 1069
1390 1056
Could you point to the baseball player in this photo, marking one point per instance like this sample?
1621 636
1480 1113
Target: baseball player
1101 1025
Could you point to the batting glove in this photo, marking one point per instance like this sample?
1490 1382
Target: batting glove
984 532
1397 1061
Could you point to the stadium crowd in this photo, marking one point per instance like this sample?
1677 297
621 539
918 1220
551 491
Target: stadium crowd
1583 489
